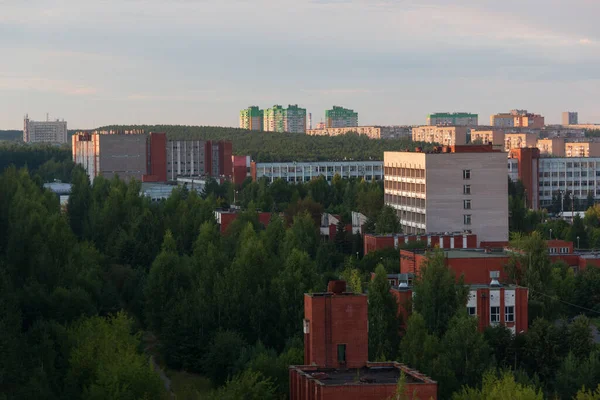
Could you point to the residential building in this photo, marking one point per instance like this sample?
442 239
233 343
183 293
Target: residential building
454 119
519 140
517 119
570 118
458 188
442 240
444 135
224 218
149 157
252 118
336 348
492 304
493 136
340 117
53 132
279 119
373 132
306 171
582 149
551 146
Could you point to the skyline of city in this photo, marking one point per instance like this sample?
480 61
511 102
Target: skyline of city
393 62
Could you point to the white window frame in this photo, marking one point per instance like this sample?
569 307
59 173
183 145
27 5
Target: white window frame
472 311
467 204
467 219
466 174
467 189
509 313
496 314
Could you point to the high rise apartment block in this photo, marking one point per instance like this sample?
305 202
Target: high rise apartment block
150 157
252 118
444 135
53 132
517 119
458 188
340 117
455 119
570 118
279 119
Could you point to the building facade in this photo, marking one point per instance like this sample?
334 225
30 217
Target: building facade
373 132
340 117
517 119
463 188
306 171
252 118
551 146
494 136
444 135
570 118
53 132
582 149
519 140
279 119
454 119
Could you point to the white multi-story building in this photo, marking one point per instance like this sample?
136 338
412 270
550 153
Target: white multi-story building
305 171
54 132
460 190
578 176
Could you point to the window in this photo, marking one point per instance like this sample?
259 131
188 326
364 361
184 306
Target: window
467 219
472 311
466 174
494 314
467 189
509 314
341 353
467 204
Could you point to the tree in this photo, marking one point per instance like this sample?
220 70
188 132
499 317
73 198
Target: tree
437 296
248 385
499 388
384 325
590 201
584 394
220 361
387 221
302 235
578 234
418 347
575 373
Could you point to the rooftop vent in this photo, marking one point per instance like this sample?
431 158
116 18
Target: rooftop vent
403 285
494 275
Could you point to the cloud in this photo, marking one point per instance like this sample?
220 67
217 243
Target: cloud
38 84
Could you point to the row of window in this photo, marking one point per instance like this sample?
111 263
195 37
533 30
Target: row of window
405 186
404 201
404 172
569 183
569 174
561 250
509 313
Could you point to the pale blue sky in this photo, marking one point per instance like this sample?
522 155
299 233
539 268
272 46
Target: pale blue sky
199 62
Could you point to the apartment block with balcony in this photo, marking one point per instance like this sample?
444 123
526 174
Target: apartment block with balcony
454 119
495 137
519 140
582 149
462 189
252 118
551 147
444 135
570 118
340 117
517 119
279 119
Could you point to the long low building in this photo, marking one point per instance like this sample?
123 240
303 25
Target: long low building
306 171
373 132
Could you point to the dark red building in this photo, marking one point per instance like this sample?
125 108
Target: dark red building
224 218
449 240
336 354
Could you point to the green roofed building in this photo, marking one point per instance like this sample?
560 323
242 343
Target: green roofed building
454 119
340 117
252 118
279 119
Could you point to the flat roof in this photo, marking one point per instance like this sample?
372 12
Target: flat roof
465 253
360 376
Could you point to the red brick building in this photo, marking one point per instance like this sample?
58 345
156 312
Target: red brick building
336 354
224 218
448 240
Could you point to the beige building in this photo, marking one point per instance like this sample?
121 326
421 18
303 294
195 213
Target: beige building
53 132
461 190
517 119
495 137
444 135
582 149
519 140
552 147
373 132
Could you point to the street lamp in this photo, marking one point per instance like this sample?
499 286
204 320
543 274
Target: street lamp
550 233
578 242
357 255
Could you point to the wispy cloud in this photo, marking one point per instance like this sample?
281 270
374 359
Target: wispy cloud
38 84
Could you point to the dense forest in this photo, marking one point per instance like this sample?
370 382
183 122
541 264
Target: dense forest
95 300
273 146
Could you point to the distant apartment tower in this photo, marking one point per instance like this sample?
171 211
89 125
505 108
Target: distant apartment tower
340 117
570 118
517 119
54 132
279 119
457 188
444 135
252 118
456 119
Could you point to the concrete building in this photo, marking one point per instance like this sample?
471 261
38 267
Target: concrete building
373 132
52 132
519 140
460 188
517 119
494 136
279 119
492 303
444 135
582 149
252 118
570 118
340 117
336 350
551 146
306 171
454 119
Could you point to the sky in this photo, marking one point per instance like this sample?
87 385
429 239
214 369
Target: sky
198 62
